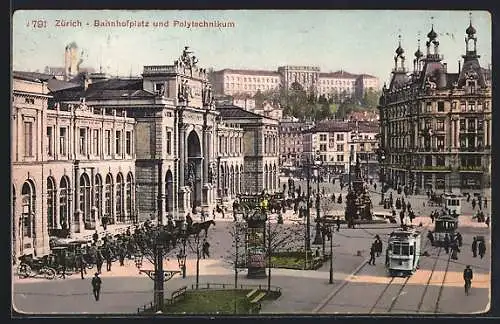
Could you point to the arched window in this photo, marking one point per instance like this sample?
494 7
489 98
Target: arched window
85 197
266 178
128 195
51 204
120 217
64 205
240 179
98 195
28 215
108 199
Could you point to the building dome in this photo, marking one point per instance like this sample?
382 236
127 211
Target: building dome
432 34
399 50
470 30
418 53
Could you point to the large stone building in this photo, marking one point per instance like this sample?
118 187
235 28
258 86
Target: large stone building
72 165
291 141
339 84
335 142
436 125
124 150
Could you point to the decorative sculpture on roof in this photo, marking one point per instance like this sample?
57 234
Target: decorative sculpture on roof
186 56
184 92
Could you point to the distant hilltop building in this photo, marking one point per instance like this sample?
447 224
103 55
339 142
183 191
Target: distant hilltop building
73 59
309 78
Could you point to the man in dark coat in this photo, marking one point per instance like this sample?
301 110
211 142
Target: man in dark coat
95 237
81 265
481 247
99 261
474 247
96 286
468 275
109 258
372 255
446 244
205 249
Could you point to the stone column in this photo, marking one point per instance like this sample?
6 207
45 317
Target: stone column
93 210
78 213
161 194
182 158
206 155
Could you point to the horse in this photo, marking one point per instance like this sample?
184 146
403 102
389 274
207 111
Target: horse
196 228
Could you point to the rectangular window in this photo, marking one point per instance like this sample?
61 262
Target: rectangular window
462 124
440 142
62 141
471 125
128 143
322 147
440 160
462 106
241 145
322 137
440 124
169 142
472 106
340 147
220 145
440 106
107 141
95 142
50 141
83 150
340 158
428 107
340 137
28 139
118 141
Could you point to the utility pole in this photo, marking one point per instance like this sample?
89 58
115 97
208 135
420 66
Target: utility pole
269 241
159 276
308 211
331 254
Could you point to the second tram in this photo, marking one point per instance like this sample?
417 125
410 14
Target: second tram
444 225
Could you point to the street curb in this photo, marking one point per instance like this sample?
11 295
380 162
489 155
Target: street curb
336 290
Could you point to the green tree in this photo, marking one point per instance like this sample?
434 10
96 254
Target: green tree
371 98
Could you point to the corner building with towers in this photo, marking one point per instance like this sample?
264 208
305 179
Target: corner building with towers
435 126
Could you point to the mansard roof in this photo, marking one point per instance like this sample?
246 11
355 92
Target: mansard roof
32 76
232 111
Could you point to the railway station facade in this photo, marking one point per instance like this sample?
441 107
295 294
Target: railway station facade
96 150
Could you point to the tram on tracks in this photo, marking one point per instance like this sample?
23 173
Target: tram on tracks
452 203
403 252
444 225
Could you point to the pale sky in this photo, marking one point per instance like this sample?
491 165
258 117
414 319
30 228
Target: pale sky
357 41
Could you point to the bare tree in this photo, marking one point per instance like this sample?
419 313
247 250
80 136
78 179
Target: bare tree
236 256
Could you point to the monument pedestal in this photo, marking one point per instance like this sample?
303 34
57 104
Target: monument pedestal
184 201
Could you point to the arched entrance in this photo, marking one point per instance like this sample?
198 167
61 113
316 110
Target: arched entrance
169 192
27 220
193 169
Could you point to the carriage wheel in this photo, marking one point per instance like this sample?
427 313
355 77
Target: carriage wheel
48 273
24 271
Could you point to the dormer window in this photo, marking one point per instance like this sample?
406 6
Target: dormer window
471 86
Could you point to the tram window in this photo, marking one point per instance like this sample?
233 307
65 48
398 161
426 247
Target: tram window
405 249
396 249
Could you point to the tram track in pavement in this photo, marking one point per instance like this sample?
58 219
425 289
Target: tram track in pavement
436 308
400 290
421 302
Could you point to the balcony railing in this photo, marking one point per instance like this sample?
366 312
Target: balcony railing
471 168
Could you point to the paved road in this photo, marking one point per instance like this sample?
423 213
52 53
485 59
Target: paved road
124 289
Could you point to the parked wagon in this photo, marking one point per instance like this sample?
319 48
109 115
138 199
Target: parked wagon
403 252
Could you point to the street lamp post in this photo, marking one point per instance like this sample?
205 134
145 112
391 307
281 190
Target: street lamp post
308 209
318 239
181 257
331 254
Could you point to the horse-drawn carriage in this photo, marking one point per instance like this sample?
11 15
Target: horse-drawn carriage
31 266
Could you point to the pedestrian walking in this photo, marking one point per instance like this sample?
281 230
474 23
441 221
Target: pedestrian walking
95 237
96 286
81 265
468 275
487 221
446 244
205 249
481 247
378 246
122 254
99 261
372 255
474 247
459 239
109 259
337 221
62 263
473 203
430 236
